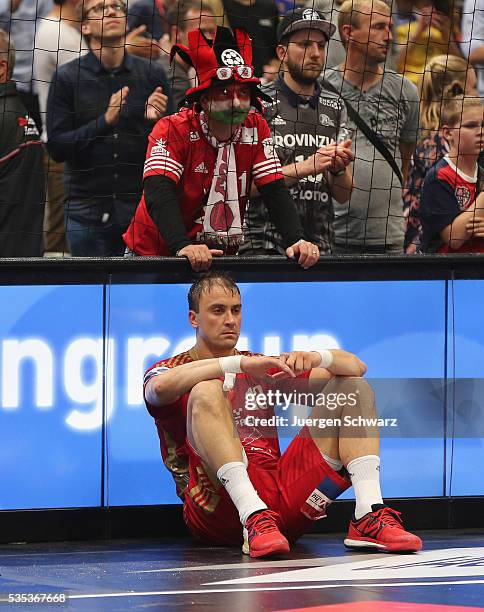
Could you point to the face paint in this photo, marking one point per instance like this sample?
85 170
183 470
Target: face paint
230 104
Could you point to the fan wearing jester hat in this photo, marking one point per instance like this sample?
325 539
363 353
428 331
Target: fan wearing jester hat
202 161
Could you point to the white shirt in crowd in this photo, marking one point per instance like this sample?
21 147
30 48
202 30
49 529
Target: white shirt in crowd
56 42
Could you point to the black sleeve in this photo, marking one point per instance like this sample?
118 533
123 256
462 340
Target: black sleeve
282 211
162 204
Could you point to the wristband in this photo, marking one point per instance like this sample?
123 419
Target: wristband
231 365
326 358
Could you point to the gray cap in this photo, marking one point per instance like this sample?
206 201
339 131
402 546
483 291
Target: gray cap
304 19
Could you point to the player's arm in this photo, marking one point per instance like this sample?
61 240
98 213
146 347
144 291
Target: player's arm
334 361
169 385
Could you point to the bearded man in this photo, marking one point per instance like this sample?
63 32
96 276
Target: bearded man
201 163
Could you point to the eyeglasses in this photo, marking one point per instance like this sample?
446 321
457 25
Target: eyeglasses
102 8
474 125
225 73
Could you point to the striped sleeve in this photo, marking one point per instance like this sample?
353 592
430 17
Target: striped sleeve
154 372
166 148
267 167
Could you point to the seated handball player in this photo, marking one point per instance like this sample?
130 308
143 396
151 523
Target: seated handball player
229 472
201 163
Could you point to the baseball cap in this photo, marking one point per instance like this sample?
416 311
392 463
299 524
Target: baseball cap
304 19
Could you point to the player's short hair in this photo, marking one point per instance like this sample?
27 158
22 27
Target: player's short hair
206 283
451 114
7 51
351 10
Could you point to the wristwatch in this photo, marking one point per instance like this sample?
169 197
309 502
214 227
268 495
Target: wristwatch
340 173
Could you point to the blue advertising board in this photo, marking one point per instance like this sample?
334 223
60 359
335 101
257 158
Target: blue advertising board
62 378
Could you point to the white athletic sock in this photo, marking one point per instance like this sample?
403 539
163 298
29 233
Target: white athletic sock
336 464
237 483
365 478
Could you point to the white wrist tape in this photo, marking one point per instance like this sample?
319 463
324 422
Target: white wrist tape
230 365
326 358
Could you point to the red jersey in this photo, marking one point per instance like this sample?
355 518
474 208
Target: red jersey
447 192
261 443
179 150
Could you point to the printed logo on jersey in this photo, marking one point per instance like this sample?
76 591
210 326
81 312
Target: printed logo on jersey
463 196
201 169
330 103
325 120
249 135
160 148
343 134
301 140
194 136
310 14
231 57
268 145
30 129
278 120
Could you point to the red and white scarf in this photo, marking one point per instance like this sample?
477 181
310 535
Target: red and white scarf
222 224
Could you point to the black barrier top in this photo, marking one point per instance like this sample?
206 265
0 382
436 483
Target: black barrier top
145 270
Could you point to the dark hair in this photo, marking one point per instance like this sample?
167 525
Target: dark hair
206 283
177 13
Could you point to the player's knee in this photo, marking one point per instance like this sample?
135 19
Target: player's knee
204 397
362 385
361 393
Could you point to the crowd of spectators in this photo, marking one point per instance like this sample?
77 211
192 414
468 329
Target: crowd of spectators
374 108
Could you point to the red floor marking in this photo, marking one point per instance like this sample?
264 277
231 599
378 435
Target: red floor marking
386 606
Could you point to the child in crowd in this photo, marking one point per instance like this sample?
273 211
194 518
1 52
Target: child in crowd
445 77
451 207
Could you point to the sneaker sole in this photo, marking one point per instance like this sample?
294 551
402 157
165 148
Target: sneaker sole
364 544
277 550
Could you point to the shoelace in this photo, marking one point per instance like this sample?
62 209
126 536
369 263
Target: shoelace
390 517
263 522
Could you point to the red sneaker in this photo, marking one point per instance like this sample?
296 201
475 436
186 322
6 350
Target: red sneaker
382 529
263 536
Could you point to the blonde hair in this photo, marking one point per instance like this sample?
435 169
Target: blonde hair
444 79
452 112
351 10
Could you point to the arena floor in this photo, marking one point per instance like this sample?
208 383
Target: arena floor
319 575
